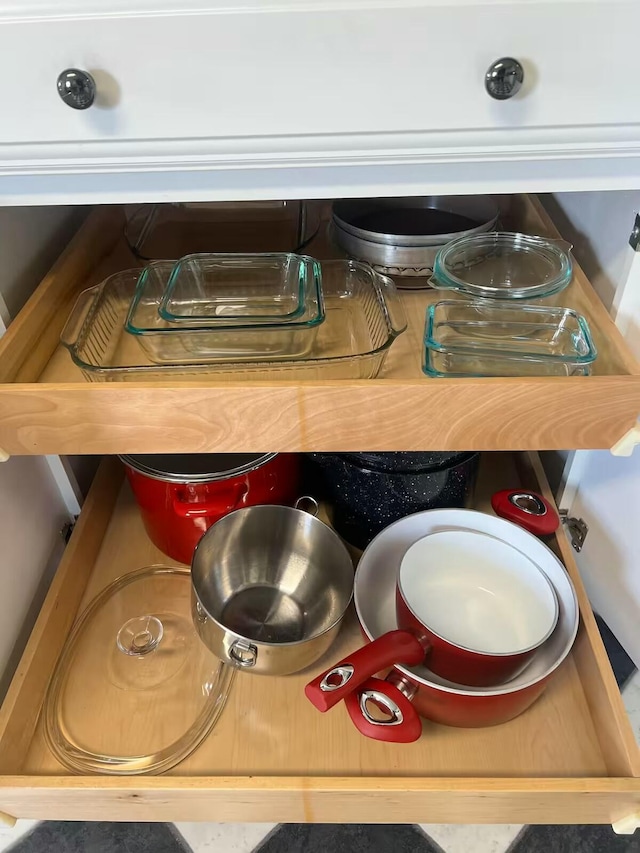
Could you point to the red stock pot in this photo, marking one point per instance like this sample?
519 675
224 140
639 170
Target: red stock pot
181 495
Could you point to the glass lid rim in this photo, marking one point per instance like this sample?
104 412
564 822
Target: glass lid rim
547 248
87 761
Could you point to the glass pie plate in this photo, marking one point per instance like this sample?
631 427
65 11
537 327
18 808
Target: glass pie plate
224 336
503 265
523 331
222 290
161 689
363 317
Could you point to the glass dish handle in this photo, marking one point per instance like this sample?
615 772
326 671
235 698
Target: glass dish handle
438 284
76 318
395 311
562 244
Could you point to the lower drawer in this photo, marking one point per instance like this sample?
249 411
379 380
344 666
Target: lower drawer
571 758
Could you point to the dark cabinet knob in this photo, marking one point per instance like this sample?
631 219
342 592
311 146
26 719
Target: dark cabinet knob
504 78
77 88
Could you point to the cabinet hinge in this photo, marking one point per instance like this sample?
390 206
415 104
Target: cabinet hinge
577 529
634 239
66 530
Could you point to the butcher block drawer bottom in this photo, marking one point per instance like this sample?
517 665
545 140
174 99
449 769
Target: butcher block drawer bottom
571 758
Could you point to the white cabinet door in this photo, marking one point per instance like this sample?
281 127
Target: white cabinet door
608 499
600 488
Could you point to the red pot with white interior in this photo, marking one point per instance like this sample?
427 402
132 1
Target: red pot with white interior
181 496
471 607
412 690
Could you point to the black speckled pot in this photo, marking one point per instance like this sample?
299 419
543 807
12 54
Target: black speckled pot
369 491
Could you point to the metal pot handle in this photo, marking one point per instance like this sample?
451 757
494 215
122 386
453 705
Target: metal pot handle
402 725
307 504
196 509
348 675
243 654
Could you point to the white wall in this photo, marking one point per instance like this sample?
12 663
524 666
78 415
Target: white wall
32 514
599 225
32 511
30 240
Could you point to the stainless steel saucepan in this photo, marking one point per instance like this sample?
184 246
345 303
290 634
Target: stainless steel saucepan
271 585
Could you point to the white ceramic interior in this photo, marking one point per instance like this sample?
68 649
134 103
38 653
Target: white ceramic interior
375 584
478 592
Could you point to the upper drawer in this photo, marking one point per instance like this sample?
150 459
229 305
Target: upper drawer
276 73
46 406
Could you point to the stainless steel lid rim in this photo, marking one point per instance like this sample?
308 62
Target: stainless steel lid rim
482 209
156 473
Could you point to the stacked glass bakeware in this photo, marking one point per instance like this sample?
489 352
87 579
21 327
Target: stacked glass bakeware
236 316
491 330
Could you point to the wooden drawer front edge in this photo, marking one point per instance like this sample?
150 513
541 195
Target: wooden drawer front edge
459 414
330 800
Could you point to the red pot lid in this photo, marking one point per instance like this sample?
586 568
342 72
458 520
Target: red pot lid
528 509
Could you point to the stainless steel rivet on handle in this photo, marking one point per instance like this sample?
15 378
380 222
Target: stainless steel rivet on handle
77 88
504 78
381 699
529 503
243 654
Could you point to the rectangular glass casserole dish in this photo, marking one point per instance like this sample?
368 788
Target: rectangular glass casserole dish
363 317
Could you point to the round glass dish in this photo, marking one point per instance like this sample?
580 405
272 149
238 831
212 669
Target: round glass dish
160 689
504 265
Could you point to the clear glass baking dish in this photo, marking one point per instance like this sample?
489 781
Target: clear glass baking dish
503 265
166 342
230 289
444 363
363 317
518 330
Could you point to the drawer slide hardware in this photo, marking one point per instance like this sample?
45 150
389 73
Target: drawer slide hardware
66 530
634 239
577 529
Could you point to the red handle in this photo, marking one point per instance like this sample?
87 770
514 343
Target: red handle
332 686
216 507
528 509
402 725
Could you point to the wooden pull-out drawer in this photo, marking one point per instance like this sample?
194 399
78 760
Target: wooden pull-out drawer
570 758
46 406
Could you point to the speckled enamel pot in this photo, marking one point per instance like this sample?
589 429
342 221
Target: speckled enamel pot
369 491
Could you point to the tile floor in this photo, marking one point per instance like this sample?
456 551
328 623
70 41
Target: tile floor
27 837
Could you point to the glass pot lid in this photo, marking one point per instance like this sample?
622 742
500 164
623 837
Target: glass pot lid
134 689
504 265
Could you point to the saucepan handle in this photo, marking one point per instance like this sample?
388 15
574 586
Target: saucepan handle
336 683
401 724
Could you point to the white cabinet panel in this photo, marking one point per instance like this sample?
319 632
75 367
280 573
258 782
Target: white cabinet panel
608 498
313 71
32 514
